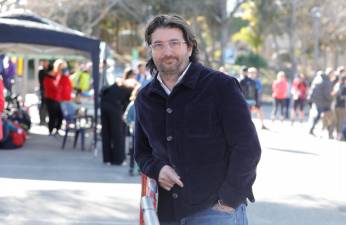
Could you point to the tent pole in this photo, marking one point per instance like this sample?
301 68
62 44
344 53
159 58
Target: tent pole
25 77
36 68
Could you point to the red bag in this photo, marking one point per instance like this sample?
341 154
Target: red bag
19 136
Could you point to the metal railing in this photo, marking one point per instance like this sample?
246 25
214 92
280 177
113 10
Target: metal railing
149 211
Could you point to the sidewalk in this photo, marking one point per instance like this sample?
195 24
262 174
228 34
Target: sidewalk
301 180
43 184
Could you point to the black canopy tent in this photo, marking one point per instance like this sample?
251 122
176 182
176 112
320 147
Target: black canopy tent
24 32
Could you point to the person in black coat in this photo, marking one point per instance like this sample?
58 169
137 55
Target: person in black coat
114 100
193 133
41 75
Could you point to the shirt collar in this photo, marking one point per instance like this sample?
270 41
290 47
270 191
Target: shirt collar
189 80
165 88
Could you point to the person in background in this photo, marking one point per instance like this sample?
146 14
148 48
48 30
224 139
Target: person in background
321 98
65 84
142 77
130 118
2 66
82 80
299 93
193 132
51 95
41 75
253 74
9 74
288 99
339 105
114 100
222 69
248 86
279 88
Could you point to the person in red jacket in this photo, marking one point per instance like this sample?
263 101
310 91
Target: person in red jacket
279 87
51 95
65 86
299 92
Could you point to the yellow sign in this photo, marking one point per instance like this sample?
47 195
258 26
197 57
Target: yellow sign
20 62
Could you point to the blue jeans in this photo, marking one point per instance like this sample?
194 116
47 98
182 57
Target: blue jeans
212 216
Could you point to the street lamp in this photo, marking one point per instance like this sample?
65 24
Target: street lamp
316 15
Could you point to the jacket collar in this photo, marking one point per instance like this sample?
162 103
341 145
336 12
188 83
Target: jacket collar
190 80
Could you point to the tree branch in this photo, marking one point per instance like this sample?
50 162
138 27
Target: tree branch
87 29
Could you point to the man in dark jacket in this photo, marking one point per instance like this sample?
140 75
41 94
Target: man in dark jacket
248 86
43 71
193 134
321 97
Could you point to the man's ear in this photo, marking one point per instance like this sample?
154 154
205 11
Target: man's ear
190 51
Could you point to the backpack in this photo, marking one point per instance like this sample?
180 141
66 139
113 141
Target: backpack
14 135
18 136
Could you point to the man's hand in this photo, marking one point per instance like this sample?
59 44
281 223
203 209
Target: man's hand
168 178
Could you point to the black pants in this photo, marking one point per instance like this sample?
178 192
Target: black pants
279 103
317 117
43 111
113 135
54 115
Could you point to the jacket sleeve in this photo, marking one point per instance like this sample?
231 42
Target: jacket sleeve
147 162
242 143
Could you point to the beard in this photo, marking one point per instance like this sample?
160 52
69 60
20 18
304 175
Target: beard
171 66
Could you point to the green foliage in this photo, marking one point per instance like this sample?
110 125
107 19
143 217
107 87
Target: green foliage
260 15
251 60
247 35
237 24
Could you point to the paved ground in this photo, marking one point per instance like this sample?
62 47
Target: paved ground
301 178
42 184
301 181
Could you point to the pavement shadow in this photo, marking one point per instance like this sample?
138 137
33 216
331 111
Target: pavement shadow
291 151
42 158
66 207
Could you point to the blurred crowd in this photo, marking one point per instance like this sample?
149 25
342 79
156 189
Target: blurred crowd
323 97
61 85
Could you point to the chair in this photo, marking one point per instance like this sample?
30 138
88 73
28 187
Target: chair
77 121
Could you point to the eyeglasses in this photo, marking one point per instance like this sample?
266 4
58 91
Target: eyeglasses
173 44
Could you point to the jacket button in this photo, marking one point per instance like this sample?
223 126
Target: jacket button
174 195
169 138
169 110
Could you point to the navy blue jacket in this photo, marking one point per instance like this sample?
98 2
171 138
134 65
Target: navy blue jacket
203 130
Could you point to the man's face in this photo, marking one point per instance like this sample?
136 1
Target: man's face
172 55
253 74
45 63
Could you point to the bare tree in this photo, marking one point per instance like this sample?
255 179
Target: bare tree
6 5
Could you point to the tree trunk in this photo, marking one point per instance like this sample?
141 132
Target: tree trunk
202 43
223 29
336 57
292 39
277 50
